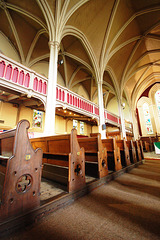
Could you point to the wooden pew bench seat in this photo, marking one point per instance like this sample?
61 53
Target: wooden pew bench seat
95 156
20 172
63 159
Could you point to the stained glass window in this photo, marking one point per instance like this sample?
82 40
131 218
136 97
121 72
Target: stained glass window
147 118
81 127
75 122
157 97
37 119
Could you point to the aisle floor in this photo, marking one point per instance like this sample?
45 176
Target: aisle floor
126 208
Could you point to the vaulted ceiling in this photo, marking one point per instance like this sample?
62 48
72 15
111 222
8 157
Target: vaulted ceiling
117 41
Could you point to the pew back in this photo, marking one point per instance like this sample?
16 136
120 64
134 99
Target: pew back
146 146
63 159
148 142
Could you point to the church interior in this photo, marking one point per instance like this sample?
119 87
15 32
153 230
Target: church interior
80 119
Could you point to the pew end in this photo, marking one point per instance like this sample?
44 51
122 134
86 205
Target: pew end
124 151
138 150
132 151
113 154
20 169
95 156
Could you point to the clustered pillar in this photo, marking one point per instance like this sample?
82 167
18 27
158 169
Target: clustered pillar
101 110
49 128
120 107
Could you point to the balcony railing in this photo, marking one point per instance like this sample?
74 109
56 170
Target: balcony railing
15 76
112 118
128 126
75 102
18 77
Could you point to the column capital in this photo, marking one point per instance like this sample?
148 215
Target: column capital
100 82
119 99
54 44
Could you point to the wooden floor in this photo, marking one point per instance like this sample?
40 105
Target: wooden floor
125 208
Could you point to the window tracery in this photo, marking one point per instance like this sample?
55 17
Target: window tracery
147 118
157 98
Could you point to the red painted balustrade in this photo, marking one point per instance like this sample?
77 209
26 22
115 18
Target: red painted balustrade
22 76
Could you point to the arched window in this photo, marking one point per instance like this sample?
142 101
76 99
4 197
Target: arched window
147 118
157 98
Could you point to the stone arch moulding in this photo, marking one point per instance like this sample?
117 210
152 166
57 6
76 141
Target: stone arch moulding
152 92
143 123
69 30
143 100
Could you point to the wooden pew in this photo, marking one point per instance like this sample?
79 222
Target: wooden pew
146 146
63 160
125 158
147 143
114 134
132 151
113 154
20 172
138 150
141 148
95 156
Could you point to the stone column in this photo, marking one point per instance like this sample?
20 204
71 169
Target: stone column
101 110
135 124
120 107
49 128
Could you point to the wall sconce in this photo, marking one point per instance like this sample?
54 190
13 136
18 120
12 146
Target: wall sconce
123 106
60 62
